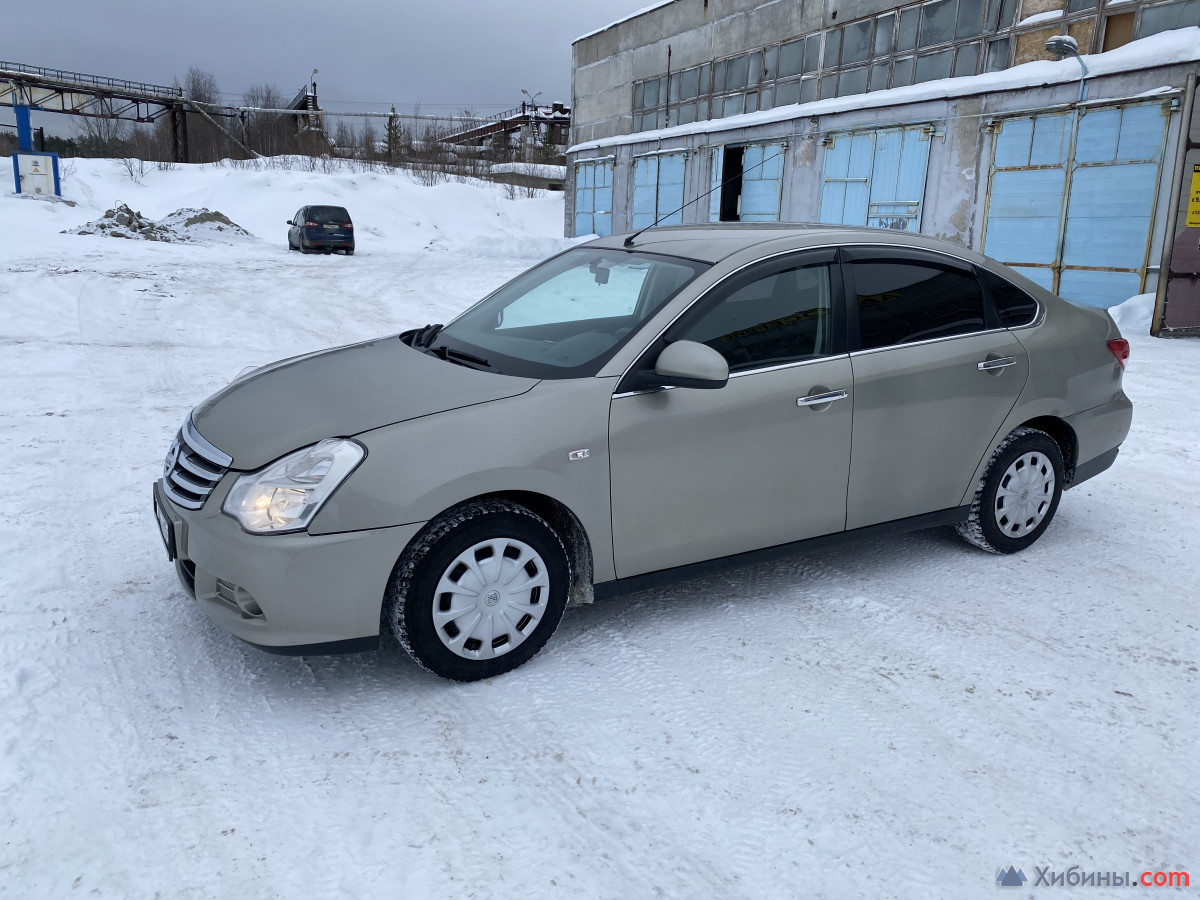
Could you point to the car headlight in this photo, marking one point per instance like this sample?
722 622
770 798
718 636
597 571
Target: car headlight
286 495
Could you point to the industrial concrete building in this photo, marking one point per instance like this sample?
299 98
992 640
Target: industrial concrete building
944 117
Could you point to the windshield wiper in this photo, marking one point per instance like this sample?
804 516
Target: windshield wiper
459 358
421 338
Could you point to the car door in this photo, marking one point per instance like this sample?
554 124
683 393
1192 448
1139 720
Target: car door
295 232
935 375
764 460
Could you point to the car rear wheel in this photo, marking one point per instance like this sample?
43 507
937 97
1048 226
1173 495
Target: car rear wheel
479 591
1018 494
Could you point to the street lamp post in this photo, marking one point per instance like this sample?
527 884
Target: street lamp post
1063 45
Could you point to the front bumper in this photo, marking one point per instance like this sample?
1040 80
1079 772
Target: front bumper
283 591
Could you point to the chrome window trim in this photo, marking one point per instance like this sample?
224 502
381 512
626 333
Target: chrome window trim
937 340
792 365
1033 323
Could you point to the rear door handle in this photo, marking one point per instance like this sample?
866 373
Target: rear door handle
1002 363
818 399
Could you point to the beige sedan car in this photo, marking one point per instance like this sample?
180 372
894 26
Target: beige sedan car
629 413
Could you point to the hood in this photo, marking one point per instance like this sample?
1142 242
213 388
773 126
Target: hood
339 393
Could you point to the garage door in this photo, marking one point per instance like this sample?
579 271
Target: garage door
875 178
1071 199
657 189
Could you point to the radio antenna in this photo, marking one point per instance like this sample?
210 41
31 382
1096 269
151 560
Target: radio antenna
629 240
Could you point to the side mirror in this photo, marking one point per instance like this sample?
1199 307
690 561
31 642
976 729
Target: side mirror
290 222
692 365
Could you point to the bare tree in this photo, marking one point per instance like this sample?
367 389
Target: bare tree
206 144
270 134
104 135
368 142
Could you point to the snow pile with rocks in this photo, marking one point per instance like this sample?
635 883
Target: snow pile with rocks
899 718
181 226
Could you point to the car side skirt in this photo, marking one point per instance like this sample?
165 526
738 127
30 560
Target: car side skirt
665 577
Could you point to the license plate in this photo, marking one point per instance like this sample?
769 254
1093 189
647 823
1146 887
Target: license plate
331 227
165 529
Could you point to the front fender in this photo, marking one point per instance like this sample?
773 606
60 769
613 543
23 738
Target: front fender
417 469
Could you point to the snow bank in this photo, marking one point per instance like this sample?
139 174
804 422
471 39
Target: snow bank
535 170
1134 315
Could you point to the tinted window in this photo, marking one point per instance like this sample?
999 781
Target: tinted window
899 302
328 215
779 318
1014 305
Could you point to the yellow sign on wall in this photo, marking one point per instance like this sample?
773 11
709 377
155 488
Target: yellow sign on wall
1193 210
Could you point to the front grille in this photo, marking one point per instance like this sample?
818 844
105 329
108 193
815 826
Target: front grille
192 468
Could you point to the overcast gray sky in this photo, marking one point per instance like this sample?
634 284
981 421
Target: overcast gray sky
445 54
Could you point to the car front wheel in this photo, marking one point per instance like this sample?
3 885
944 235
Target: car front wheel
479 591
1018 494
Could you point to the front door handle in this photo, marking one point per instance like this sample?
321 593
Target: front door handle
1003 362
819 399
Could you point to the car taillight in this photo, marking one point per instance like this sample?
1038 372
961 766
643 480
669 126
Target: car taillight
312 224
1120 349
349 226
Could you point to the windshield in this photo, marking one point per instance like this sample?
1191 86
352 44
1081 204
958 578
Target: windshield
567 317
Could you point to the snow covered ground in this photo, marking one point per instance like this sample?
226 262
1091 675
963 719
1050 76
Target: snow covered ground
897 719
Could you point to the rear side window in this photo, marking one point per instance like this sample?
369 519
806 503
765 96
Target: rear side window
779 318
1014 305
901 301
328 215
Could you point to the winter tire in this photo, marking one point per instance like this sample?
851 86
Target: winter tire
1018 494
479 591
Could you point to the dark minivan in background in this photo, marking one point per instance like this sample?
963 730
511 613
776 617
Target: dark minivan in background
321 229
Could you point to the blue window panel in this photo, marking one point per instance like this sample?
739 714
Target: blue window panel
1044 277
762 182
670 189
602 217
657 190
1012 143
1098 132
1141 132
645 192
885 166
1050 140
1098 288
898 180
1108 218
850 157
1024 211
593 198
714 197
833 193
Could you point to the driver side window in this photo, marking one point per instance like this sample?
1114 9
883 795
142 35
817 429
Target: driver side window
777 318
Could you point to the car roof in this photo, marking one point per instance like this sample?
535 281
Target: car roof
714 242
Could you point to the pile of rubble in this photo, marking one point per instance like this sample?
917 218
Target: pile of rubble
181 226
